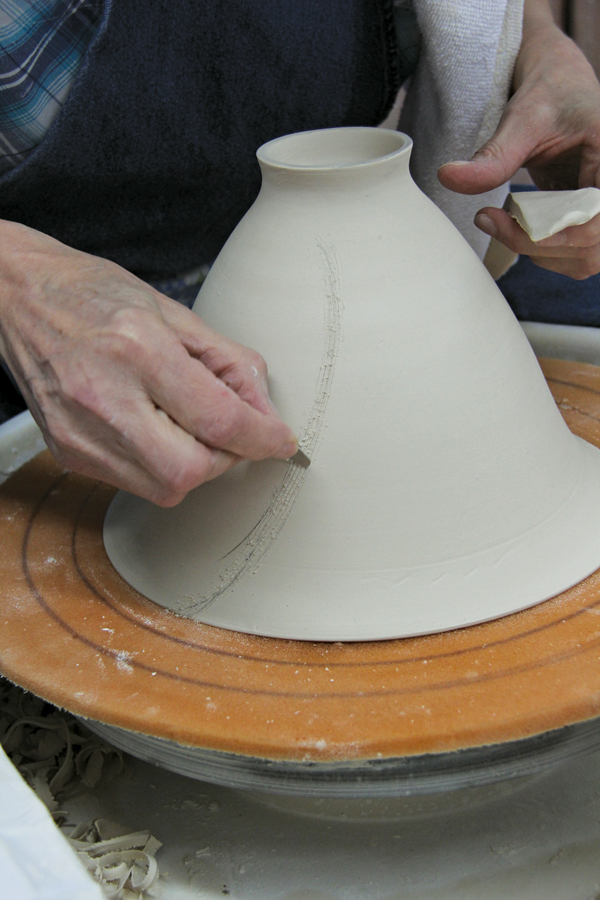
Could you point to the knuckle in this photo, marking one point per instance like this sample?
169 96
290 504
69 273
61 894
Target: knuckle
74 459
590 268
129 333
167 497
178 482
71 451
490 150
257 362
593 262
222 428
173 483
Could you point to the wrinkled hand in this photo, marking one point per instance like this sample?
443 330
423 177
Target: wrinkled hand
127 385
551 126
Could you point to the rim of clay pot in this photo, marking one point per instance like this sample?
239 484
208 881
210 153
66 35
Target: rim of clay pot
332 149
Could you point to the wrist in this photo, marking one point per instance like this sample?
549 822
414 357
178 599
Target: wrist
537 13
25 268
540 33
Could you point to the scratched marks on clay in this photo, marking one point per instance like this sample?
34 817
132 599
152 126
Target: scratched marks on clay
252 550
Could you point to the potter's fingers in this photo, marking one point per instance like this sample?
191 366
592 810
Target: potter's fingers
214 388
204 406
173 461
574 238
576 242
142 451
577 236
242 369
164 488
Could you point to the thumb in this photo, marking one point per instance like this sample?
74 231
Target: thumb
493 164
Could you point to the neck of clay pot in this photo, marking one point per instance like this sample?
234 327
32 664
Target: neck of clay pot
334 157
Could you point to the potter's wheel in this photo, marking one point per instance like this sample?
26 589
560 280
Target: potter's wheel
400 777
467 707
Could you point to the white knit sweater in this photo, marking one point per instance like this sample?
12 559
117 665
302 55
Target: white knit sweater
458 93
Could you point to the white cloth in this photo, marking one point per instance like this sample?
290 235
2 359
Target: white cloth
457 95
36 862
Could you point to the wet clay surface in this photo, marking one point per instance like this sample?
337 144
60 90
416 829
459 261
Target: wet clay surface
73 632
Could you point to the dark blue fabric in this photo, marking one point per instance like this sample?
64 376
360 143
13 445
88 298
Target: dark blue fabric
538 295
151 162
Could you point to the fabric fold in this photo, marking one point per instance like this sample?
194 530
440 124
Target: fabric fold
458 94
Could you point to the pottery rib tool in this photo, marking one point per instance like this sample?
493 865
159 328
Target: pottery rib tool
300 459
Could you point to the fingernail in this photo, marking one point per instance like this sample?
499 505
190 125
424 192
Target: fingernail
485 223
457 162
292 447
262 381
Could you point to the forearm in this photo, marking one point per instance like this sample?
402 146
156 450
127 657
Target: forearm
13 243
35 266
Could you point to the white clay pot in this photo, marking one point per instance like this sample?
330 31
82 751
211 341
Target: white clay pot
445 488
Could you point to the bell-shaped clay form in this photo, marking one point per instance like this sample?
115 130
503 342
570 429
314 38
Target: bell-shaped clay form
445 488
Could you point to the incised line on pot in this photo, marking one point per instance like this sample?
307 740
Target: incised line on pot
254 547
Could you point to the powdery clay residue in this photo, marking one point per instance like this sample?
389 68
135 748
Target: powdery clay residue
259 541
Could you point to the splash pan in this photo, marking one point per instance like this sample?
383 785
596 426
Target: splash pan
75 633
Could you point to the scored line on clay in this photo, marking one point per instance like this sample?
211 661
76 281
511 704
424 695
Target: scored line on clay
253 548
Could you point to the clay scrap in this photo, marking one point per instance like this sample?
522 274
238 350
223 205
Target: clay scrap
544 213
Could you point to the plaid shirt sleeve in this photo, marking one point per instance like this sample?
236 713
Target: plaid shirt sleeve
42 45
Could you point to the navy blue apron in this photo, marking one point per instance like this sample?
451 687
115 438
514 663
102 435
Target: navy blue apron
151 162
